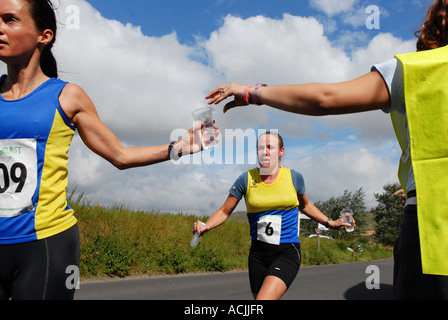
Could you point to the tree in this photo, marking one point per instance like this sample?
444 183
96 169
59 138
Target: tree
388 214
333 207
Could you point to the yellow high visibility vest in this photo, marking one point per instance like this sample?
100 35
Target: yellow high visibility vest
426 98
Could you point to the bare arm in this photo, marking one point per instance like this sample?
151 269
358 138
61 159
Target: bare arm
219 217
314 213
81 111
368 92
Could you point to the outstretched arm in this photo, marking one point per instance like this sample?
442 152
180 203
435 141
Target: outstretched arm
314 213
81 111
368 92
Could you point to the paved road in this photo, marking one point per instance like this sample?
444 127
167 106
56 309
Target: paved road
335 282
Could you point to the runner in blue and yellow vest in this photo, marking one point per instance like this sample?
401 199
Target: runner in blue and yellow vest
39 237
273 195
34 149
422 134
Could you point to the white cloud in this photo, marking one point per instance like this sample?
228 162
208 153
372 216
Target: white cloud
336 168
198 188
295 50
292 49
136 81
144 87
332 7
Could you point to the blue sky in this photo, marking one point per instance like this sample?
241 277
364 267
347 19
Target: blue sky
190 18
148 64
189 47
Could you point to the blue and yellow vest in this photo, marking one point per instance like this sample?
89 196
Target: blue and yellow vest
35 137
272 209
426 98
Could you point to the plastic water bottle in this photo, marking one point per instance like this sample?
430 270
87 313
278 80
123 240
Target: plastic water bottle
208 138
194 242
347 217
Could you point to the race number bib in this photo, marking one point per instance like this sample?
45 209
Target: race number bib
269 229
18 176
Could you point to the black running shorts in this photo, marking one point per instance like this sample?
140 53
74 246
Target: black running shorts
282 261
38 270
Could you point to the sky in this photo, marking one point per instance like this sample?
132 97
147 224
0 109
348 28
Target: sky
148 64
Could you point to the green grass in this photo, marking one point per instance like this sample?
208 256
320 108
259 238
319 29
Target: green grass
117 242
337 251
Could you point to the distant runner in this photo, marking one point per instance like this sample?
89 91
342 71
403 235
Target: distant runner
274 195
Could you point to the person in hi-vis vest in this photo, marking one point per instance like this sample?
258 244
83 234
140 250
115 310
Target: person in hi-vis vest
413 89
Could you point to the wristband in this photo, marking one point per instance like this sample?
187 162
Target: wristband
256 94
246 94
170 149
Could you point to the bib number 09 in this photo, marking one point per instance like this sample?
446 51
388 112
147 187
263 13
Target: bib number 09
17 174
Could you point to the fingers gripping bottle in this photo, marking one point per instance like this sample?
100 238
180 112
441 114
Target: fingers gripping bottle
194 242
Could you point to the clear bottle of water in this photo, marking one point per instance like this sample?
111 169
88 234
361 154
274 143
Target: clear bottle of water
194 242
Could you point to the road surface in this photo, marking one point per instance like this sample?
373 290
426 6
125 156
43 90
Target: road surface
334 282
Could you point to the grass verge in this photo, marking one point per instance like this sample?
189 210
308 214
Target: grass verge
117 242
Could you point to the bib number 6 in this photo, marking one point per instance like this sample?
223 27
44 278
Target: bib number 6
269 229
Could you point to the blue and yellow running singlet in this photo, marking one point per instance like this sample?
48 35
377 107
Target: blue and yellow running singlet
35 137
272 209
